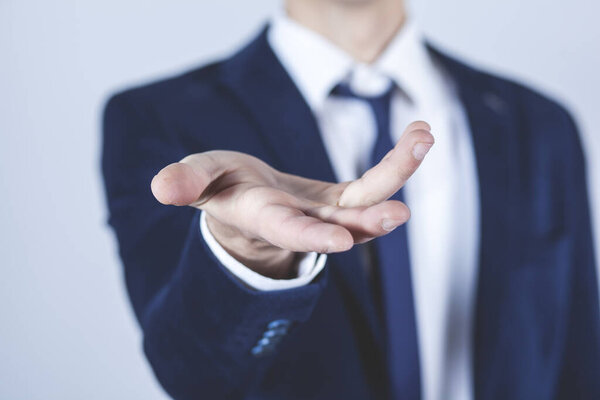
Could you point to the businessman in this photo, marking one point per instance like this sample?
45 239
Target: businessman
280 264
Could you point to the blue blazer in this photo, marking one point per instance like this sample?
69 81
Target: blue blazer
537 322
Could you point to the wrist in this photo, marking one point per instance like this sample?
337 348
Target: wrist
256 254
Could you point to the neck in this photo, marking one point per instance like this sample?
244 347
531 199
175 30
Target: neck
362 28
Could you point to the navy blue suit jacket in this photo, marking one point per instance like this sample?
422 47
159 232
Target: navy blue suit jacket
536 330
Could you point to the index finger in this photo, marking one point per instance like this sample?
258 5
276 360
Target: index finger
391 173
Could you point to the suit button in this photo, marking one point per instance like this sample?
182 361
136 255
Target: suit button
276 330
275 333
279 323
263 348
257 351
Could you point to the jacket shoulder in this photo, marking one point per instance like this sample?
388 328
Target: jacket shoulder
529 101
526 101
198 83
536 117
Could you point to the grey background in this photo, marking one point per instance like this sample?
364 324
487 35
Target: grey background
66 329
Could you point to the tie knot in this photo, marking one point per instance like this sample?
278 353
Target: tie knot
344 90
380 105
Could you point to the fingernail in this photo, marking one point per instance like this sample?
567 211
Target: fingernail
420 149
390 224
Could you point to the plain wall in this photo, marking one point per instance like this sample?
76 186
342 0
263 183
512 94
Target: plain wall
66 327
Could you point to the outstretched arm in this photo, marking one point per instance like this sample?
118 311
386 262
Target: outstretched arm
201 325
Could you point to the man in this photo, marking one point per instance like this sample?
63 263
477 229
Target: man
279 283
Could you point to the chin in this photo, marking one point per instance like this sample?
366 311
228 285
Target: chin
355 2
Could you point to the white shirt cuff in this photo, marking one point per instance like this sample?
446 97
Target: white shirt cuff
309 266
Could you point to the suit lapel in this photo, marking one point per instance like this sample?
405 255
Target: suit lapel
494 140
291 134
284 119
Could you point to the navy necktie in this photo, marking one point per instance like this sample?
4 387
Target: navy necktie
392 258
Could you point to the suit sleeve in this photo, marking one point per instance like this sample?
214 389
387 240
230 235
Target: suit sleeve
580 376
200 325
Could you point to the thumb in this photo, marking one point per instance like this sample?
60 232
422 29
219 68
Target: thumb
183 183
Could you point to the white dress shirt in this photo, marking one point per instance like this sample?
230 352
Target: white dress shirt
443 230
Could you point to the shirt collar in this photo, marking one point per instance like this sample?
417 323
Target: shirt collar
316 65
409 64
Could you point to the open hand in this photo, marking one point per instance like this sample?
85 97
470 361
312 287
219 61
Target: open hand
263 217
